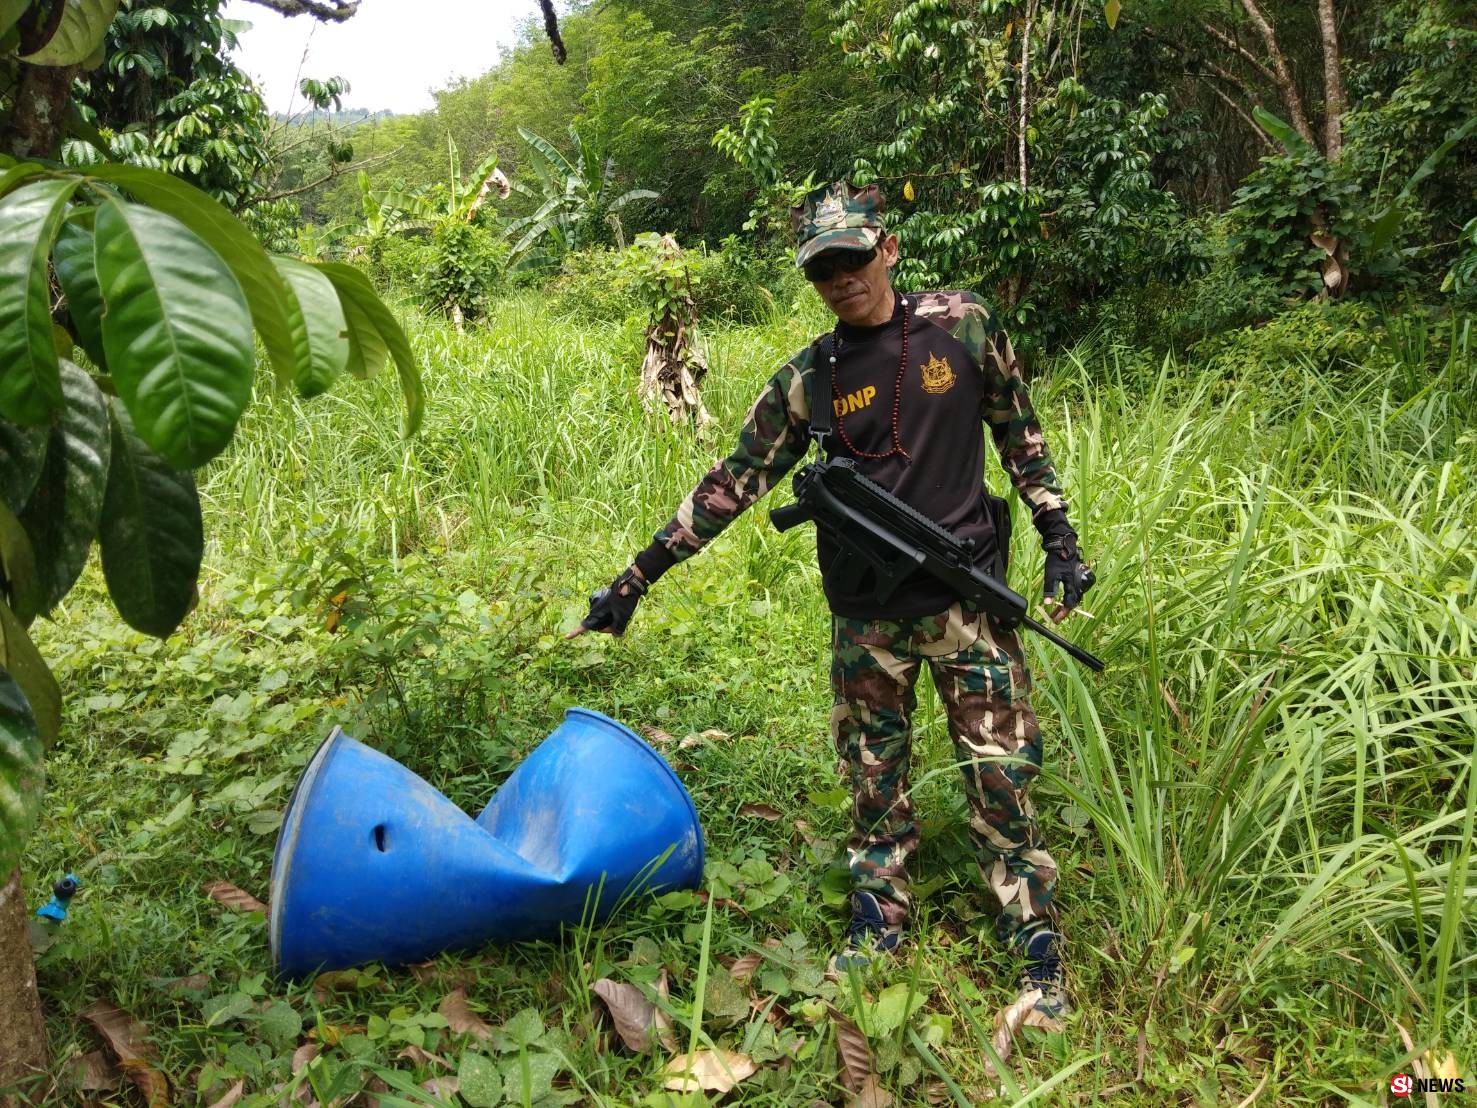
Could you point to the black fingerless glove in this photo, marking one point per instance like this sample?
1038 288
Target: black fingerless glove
611 608
1065 569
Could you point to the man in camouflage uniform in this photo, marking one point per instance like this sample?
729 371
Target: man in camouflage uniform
914 378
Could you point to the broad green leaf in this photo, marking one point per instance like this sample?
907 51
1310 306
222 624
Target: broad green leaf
176 332
319 330
895 1006
18 560
21 772
1281 130
151 535
77 272
22 454
367 351
266 291
62 514
15 174
30 387
10 12
20 658
478 1081
1382 229
353 285
81 31
1110 13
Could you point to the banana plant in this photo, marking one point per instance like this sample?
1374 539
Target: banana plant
575 195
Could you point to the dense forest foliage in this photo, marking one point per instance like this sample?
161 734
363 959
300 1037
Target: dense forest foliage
1165 170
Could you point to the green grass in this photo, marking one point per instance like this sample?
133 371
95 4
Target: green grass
1263 810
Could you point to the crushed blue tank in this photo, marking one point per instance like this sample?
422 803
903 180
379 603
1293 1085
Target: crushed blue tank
374 865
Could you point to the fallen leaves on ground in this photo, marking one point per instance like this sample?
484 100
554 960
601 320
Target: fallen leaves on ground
423 1057
232 897
1010 1019
714 1071
871 1094
127 1037
743 968
633 1015
855 1054
96 1073
460 1018
761 811
657 735
442 1086
233 1095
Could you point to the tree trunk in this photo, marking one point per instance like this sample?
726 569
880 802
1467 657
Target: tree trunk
1282 74
1025 84
22 1034
40 112
1333 82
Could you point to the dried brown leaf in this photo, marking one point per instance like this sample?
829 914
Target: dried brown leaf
633 1015
712 1071
657 735
856 1055
662 1023
1010 1019
690 741
722 902
1174 706
153 1084
232 897
810 838
96 1073
336 981
743 968
761 811
422 1057
442 1086
460 1018
714 734
127 1037
233 1095
303 1055
372 1087
872 1094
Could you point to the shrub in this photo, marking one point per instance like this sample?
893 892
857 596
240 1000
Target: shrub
733 283
462 267
1340 340
396 262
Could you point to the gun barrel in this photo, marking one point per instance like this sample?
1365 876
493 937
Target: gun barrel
1091 661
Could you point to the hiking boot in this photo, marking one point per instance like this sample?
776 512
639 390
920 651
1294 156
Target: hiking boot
868 936
1043 973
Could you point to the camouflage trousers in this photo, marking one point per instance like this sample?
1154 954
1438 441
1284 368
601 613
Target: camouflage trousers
980 674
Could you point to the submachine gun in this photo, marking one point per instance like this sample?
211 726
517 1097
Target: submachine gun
878 532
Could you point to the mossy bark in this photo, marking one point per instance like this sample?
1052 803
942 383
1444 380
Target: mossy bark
22 1033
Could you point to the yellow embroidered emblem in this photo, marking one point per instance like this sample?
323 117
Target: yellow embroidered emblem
937 376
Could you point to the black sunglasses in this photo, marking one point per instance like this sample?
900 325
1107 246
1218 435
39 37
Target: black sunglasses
846 261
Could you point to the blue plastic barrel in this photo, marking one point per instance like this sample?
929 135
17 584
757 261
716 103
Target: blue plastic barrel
374 865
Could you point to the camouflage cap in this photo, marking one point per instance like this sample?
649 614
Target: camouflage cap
838 216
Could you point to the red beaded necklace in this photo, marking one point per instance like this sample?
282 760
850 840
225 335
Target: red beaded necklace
897 394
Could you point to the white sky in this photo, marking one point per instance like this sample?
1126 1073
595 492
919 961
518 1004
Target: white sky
392 52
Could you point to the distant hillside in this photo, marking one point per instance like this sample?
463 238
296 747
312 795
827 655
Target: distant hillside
348 115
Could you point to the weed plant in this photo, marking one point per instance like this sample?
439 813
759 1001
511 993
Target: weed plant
1263 810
